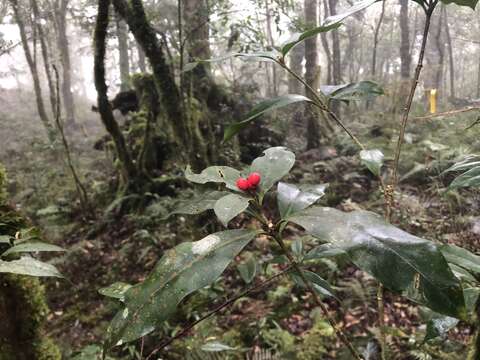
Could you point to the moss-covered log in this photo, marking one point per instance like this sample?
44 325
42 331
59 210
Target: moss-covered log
23 309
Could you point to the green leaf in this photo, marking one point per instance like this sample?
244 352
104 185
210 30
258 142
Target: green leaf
470 3
297 248
319 284
28 266
197 204
267 56
182 270
468 163
299 37
116 290
260 109
439 325
471 297
373 160
272 166
401 261
229 206
363 90
215 346
359 6
218 174
292 198
248 269
471 178
461 257
324 251
32 247
5 239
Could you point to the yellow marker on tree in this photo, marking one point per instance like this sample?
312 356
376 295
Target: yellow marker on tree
433 101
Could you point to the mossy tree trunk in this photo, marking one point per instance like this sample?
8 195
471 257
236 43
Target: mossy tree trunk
129 170
23 309
188 139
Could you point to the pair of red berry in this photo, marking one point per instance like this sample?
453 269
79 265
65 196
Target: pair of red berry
249 183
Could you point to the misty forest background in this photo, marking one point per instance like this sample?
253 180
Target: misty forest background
98 123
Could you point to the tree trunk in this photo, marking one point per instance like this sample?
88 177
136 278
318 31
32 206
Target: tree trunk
295 63
336 55
33 71
450 54
311 74
122 36
271 66
129 170
376 40
142 64
63 47
326 47
134 14
45 56
405 56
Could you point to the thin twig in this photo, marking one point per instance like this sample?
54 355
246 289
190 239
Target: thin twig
408 105
321 104
447 113
217 309
82 192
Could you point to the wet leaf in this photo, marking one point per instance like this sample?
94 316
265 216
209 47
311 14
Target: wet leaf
217 174
116 290
248 269
28 266
272 166
197 204
293 198
461 257
32 247
229 206
373 160
359 6
363 90
402 262
300 37
182 270
319 284
470 3
261 109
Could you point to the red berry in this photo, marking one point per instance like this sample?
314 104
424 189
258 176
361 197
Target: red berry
254 179
243 184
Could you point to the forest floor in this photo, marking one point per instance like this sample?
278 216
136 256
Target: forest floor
282 319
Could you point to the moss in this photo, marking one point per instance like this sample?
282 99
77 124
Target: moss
313 344
23 300
22 303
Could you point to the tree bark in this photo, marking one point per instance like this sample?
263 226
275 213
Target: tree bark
376 40
142 64
33 71
191 140
311 74
271 66
325 45
122 36
405 56
336 55
45 56
450 54
129 170
63 47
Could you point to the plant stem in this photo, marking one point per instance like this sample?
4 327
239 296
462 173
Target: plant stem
322 106
389 190
217 309
381 321
408 105
338 331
